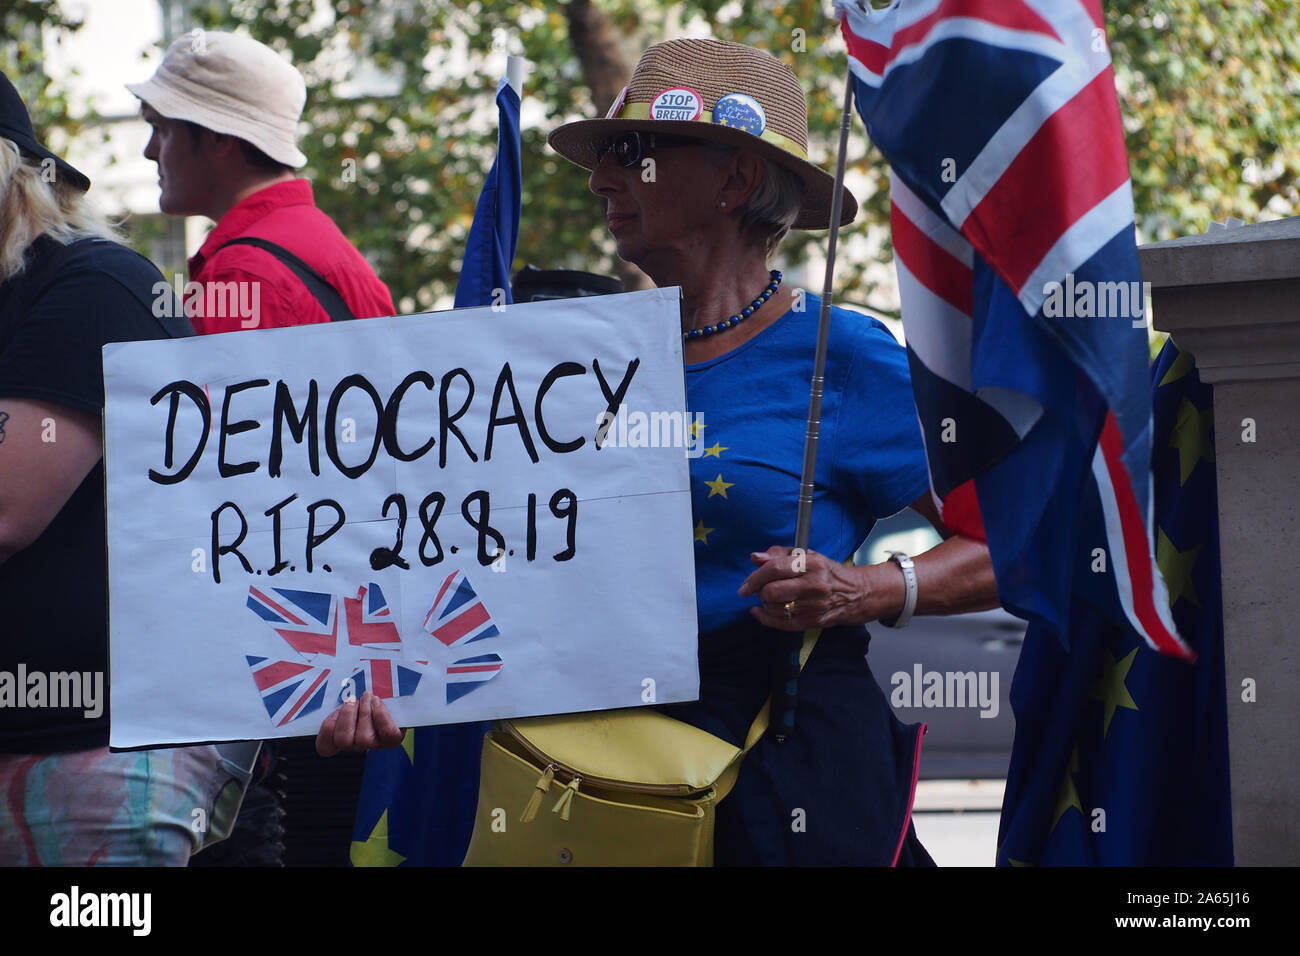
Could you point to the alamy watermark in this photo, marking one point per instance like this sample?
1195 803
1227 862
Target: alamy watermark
1085 299
39 689
213 300
922 688
639 429
75 909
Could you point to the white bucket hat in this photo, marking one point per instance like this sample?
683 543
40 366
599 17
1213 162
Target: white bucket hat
231 84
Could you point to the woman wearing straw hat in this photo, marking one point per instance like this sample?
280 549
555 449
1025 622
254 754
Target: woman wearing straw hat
702 164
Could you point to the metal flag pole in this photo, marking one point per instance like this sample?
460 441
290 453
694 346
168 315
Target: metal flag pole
785 693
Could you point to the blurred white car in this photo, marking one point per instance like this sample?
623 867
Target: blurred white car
953 673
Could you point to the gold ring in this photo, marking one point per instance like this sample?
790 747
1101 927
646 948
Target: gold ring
789 610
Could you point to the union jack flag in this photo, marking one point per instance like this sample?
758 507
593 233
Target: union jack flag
289 689
457 616
469 673
370 619
382 677
308 620
1010 185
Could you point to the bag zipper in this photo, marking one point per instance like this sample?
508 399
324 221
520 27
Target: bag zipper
539 791
554 768
566 799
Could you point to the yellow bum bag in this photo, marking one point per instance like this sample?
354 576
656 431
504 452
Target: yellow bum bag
611 788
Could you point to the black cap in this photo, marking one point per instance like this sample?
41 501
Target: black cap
16 124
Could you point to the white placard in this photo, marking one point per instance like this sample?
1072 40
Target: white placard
416 506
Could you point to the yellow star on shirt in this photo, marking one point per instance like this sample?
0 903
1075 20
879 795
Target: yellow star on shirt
374 850
697 427
702 533
719 487
715 450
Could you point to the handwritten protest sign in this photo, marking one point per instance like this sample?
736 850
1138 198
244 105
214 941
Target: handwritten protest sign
454 511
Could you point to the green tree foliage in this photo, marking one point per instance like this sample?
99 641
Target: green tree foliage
402 125
422 146
25 28
1209 94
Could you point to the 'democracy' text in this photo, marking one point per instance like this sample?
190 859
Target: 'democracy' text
305 422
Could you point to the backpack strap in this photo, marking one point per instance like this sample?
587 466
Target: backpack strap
328 297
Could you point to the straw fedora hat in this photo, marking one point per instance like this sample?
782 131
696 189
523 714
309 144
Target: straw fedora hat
722 92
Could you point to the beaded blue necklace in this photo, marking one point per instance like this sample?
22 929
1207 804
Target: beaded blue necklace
739 316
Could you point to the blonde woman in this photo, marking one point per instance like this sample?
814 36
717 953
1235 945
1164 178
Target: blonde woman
66 289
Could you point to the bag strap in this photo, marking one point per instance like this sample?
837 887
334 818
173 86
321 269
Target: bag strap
328 296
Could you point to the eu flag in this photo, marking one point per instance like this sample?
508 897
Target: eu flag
417 801
1121 754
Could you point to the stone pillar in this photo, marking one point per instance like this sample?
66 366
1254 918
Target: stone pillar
1231 297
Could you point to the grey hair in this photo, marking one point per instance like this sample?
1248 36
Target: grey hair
775 205
772 209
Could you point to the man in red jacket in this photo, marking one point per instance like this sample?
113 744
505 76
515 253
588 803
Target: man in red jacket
224 111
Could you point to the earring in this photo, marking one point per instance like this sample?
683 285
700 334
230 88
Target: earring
723 204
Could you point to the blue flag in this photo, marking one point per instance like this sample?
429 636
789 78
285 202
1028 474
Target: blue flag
490 250
1121 754
418 801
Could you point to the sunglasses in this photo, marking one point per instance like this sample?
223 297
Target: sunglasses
631 147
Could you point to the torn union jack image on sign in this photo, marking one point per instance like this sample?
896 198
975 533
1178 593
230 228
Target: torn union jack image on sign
457 617
289 689
317 624
309 622
383 678
469 673
370 620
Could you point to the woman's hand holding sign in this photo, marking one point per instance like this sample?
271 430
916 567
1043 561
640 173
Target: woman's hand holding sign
358 726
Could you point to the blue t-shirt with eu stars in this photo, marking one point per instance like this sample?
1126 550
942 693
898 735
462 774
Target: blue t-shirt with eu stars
753 408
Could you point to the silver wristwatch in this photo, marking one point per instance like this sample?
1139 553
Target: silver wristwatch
909 579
